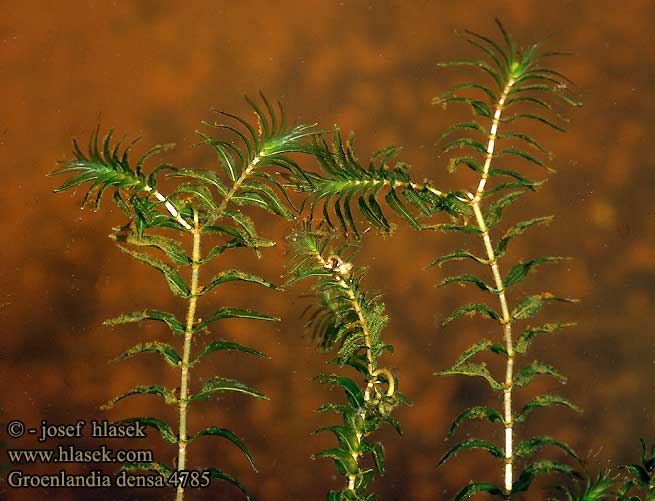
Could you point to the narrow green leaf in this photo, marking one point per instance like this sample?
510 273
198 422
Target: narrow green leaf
168 246
244 313
173 278
271 200
353 393
346 437
544 401
478 412
214 431
219 384
494 212
168 395
207 177
454 227
536 118
343 458
463 279
521 270
539 468
473 350
516 230
378 456
202 194
161 316
465 126
473 370
167 352
164 428
522 154
529 447
474 488
527 373
464 142
159 468
215 473
397 206
531 305
472 444
472 309
456 255
235 275
226 345
527 336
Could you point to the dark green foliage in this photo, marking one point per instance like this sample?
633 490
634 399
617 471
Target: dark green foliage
594 489
520 89
640 477
350 322
203 204
344 183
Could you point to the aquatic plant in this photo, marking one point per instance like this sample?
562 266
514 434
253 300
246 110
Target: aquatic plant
203 205
640 477
523 86
350 321
257 171
520 92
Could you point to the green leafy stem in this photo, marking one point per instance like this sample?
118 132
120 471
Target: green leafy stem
346 319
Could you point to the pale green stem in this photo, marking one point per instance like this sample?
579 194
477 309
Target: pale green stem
184 370
341 272
506 320
237 184
169 207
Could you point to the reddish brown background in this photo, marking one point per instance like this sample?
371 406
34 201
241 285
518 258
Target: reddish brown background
156 68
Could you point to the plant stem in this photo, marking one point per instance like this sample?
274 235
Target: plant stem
237 184
340 276
506 320
169 207
184 376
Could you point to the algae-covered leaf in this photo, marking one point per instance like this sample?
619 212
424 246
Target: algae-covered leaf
168 395
472 309
168 318
173 278
544 401
164 428
478 412
225 345
476 487
243 313
216 473
166 351
521 270
527 336
531 305
214 431
527 373
530 446
219 384
473 443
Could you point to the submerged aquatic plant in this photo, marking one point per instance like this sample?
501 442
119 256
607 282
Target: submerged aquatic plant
640 477
257 171
350 321
520 92
203 205
523 86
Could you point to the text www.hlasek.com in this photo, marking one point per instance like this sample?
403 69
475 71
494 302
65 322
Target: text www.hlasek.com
71 454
